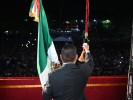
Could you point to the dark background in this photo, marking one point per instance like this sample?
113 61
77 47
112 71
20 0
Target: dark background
14 11
110 46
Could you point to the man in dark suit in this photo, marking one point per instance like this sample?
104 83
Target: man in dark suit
68 82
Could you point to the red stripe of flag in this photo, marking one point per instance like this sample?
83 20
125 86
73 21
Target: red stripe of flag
37 7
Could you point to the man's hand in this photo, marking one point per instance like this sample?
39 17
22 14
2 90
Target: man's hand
86 47
85 50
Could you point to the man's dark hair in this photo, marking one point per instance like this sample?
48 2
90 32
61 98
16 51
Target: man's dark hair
68 53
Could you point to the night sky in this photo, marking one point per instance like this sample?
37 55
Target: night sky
15 11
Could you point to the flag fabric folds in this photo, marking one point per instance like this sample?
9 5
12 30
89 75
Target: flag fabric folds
46 53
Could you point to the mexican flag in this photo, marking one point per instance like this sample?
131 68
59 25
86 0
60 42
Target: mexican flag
46 53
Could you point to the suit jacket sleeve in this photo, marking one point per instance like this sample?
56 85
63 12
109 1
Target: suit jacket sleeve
88 65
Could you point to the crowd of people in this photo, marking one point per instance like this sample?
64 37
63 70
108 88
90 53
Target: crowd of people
110 57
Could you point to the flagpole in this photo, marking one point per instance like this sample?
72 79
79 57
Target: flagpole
85 40
87 19
130 72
